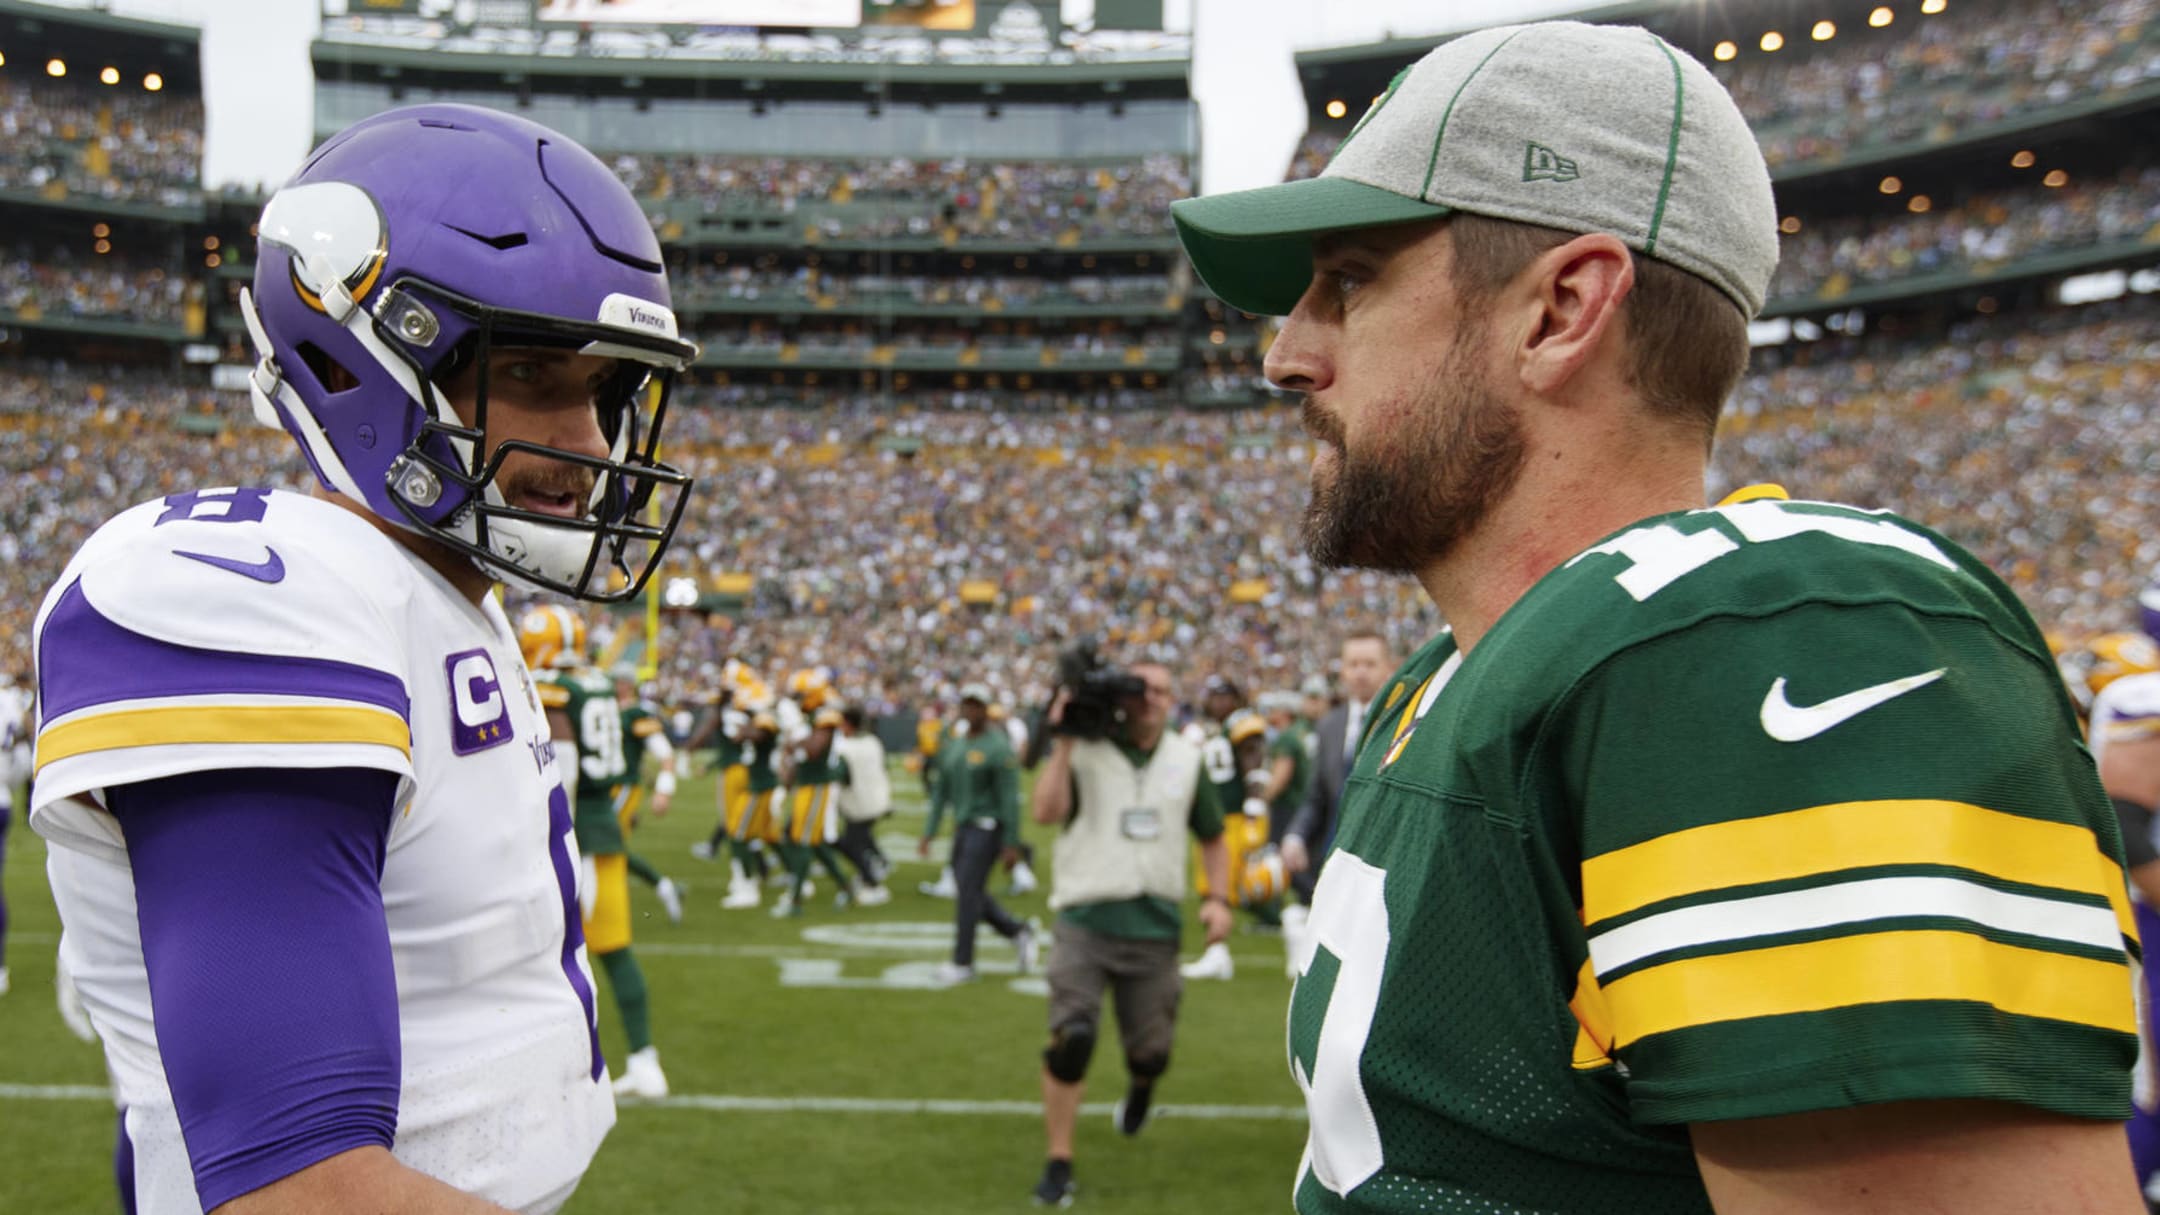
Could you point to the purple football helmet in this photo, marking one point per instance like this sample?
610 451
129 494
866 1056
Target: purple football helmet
408 246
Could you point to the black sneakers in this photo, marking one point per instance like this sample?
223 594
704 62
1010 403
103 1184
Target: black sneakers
1056 1187
1131 1111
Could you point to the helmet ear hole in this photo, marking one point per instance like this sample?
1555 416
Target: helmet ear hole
328 372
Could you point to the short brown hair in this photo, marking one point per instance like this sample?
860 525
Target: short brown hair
1687 339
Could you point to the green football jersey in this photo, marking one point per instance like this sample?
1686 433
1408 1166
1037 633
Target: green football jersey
727 751
639 723
831 770
1769 808
763 762
587 698
1290 744
1218 763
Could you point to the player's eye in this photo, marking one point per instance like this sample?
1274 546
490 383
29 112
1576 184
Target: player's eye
521 371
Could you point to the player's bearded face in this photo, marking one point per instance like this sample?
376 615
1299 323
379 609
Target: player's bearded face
1406 494
546 397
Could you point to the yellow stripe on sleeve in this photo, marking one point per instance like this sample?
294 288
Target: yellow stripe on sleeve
192 725
1852 835
1877 968
1593 1021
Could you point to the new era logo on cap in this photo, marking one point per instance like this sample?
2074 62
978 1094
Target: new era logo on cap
1540 163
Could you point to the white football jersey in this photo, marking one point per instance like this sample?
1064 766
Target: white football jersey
252 628
2126 708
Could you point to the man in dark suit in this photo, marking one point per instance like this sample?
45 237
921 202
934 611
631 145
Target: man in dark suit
1366 665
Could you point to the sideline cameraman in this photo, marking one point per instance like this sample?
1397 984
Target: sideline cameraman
1118 873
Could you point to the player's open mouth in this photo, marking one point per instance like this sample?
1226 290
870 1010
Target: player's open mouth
567 504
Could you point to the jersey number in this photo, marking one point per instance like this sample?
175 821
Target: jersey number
600 749
1662 555
1331 1015
1220 761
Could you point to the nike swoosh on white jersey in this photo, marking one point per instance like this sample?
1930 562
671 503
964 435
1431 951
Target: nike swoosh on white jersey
1788 722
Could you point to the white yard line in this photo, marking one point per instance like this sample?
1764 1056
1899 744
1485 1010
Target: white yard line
717 1103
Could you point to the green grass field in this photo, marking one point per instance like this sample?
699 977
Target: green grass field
812 1070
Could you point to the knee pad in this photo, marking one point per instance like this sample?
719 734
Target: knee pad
1066 1058
1147 1067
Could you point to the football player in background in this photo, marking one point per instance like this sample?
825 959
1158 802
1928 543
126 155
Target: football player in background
309 846
763 817
1675 875
1235 762
813 773
586 724
727 726
644 733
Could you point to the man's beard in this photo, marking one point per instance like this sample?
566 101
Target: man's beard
1411 498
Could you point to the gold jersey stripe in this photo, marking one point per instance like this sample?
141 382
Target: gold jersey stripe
1593 1021
1821 840
193 725
1877 968
1757 492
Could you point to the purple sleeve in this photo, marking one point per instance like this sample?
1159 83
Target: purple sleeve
259 900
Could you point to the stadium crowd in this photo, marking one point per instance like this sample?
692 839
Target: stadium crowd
1175 533
812 285
1109 338
117 143
50 281
1976 64
1926 78
1987 230
855 199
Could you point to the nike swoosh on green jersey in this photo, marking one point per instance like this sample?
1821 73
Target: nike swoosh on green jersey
1788 722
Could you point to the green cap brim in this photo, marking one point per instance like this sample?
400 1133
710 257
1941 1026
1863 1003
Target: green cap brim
1254 247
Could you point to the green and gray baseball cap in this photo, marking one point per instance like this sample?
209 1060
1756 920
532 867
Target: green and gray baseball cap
1586 128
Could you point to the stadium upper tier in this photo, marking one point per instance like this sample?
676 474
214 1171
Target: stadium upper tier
855 532
877 199
1966 70
44 283
1983 63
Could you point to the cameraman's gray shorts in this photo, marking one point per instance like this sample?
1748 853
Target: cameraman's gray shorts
1142 977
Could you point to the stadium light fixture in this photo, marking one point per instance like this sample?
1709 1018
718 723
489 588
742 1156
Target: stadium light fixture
1772 41
110 75
1919 204
3 58
1881 17
1824 31
100 230
1890 185
1336 108
1932 7
1789 225
213 261
210 244
2023 160
2055 179
153 82
103 246
1725 52
56 68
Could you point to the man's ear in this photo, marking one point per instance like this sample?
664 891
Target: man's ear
1578 289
